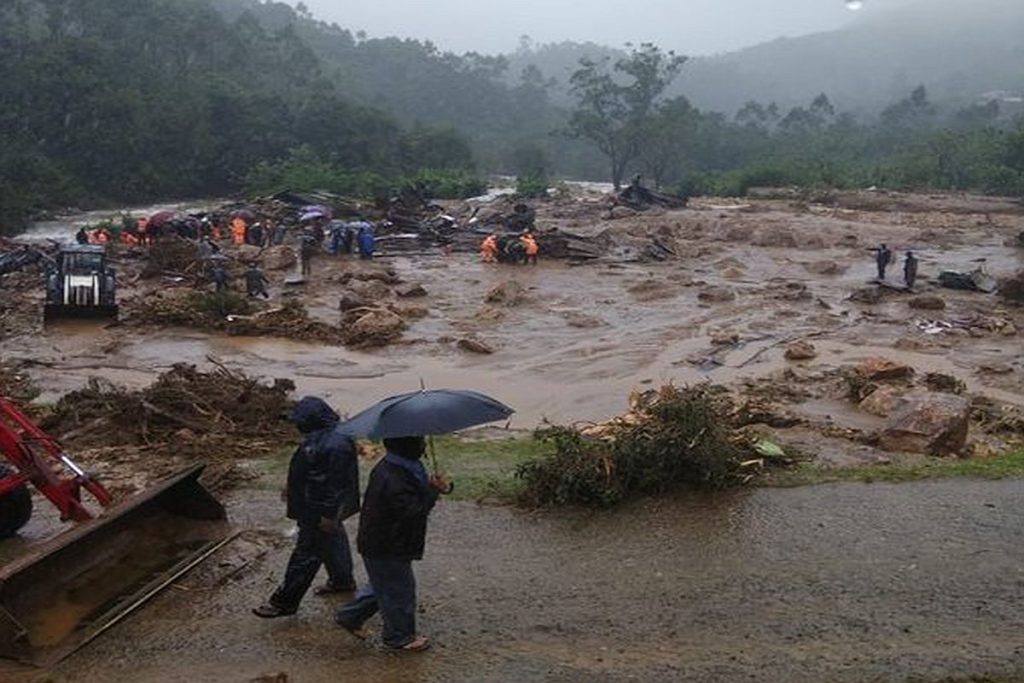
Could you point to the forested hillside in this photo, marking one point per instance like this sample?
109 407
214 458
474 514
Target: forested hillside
133 101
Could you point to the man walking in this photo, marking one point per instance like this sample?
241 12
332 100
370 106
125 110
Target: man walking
392 533
323 489
910 270
882 258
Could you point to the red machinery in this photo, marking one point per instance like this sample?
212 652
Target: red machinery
109 564
36 457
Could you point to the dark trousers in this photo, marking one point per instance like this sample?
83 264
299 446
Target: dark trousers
313 548
392 591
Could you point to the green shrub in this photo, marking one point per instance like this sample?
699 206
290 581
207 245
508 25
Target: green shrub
532 186
447 184
676 436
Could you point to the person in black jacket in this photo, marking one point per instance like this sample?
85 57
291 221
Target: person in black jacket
392 533
323 489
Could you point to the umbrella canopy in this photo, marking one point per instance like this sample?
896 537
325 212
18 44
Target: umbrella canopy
161 217
311 215
427 412
244 214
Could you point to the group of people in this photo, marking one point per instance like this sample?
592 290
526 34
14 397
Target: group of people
510 249
884 256
321 492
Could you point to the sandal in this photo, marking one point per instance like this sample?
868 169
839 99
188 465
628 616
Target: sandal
417 644
357 631
270 611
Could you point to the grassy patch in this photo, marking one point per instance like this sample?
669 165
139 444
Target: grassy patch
480 468
485 468
904 469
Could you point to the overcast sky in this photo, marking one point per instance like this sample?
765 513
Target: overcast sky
691 27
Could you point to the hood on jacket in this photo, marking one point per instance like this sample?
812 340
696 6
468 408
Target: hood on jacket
312 414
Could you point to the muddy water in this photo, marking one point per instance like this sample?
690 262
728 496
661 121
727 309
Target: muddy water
837 583
62 228
574 349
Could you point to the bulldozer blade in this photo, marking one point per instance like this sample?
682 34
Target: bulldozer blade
53 312
73 587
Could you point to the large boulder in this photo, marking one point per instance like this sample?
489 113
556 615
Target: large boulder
929 423
717 294
927 302
880 369
378 327
801 350
508 293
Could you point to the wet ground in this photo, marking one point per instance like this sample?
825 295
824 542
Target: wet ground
826 583
836 583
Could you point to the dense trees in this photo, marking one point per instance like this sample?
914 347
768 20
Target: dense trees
132 101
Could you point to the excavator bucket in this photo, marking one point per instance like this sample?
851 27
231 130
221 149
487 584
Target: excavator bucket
55 312
70 589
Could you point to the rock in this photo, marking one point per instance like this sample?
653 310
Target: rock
927 303
350 300
509 293
949 384
621 212
725 339
732 273
824 268
411 312
716 295
866 295
1012 288
1008 330
801 350
474 346
370 290
278 258
776 237
652 290
582 320
739 233
877 369
490 314
411 290
378 327
930 423
884 401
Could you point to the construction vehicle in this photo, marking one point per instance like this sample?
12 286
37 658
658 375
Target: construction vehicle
80 285
65 591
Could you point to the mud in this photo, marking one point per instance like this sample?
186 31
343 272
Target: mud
842 583
838 583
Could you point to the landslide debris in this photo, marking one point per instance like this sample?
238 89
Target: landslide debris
218 417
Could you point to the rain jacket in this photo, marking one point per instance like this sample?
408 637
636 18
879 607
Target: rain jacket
393 522
323 475
367 242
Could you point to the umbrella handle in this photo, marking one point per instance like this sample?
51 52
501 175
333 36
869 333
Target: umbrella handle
433 454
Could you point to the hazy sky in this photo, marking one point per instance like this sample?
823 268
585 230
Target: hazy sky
690 27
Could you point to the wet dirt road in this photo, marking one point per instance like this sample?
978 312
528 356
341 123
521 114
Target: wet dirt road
838 583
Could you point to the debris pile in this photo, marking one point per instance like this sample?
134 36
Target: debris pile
671 437
233 314
187 415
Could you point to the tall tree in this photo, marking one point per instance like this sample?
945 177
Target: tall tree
615 106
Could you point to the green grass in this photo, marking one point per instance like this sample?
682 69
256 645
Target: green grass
480 468
904 469
485 468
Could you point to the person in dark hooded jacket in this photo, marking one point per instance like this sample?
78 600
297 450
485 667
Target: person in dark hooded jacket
392 533
322 489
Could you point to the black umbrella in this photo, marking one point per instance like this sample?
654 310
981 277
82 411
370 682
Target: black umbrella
426 412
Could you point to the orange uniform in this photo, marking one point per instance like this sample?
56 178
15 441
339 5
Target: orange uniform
489 249
238 231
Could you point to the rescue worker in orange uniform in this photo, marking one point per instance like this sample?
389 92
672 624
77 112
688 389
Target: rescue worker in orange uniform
238 231
530 245
489 249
